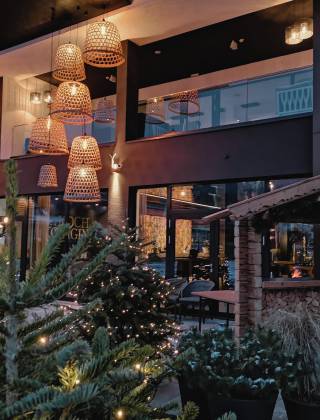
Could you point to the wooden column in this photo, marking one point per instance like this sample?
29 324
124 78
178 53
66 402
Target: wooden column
241 276
316 87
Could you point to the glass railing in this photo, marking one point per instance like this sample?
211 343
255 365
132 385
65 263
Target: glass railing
279 95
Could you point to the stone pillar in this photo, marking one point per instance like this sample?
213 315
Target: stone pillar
254 276
241 276
126 129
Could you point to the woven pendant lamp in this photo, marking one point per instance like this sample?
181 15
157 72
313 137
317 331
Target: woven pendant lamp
105 112
155 111
72 104
186 103
85 150
103 45
48 177
69 64
48 137
82 185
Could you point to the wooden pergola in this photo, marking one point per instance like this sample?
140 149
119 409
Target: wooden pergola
295 203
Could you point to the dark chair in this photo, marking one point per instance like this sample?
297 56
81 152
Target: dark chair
186 299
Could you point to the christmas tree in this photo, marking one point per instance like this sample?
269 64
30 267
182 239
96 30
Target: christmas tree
135 298
28 342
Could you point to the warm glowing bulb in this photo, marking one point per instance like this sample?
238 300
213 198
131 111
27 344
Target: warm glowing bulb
83 172
43 340
77 381
49 123
137 366
73 89
84 145
120 414
69 50
6 220
103 30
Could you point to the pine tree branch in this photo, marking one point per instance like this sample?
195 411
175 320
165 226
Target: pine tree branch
58 324
34 295
61 290
28 403
48 254
39 323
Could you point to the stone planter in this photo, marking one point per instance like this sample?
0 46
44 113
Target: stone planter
244 409
298 410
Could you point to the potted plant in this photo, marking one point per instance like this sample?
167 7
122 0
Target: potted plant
300 333
221 375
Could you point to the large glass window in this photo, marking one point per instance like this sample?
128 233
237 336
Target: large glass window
46 212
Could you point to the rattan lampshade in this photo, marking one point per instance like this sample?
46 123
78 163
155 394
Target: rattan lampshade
72 104
103 46
48 137
48 177
155 111
186 103
82 185
105 112
85 151
68 64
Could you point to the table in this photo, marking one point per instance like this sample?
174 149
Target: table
225 296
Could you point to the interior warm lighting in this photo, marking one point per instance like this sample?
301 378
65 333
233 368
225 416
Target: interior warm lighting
47 97
85 150
69 64
103 46
306 28
186 103
115 166
48 177
155 111
35 98
48 137
292 34
72 104
82 185
105 111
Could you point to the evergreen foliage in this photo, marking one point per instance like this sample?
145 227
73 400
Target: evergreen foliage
134 298
28 343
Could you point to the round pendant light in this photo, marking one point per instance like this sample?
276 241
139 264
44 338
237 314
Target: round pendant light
155 111
48 137
69 64
292 34
72 104
306 28
85 151
82 185
105 111
103 45
48 177
186 103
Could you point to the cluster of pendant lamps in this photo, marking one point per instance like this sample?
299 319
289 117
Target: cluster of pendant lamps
71 104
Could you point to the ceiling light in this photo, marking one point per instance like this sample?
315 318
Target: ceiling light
72 104
105 111
68 63
155 111
186 103
48 137
35 98
292 34
82 185
47 97
85 151
103 45
48 177
157 52
306 28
